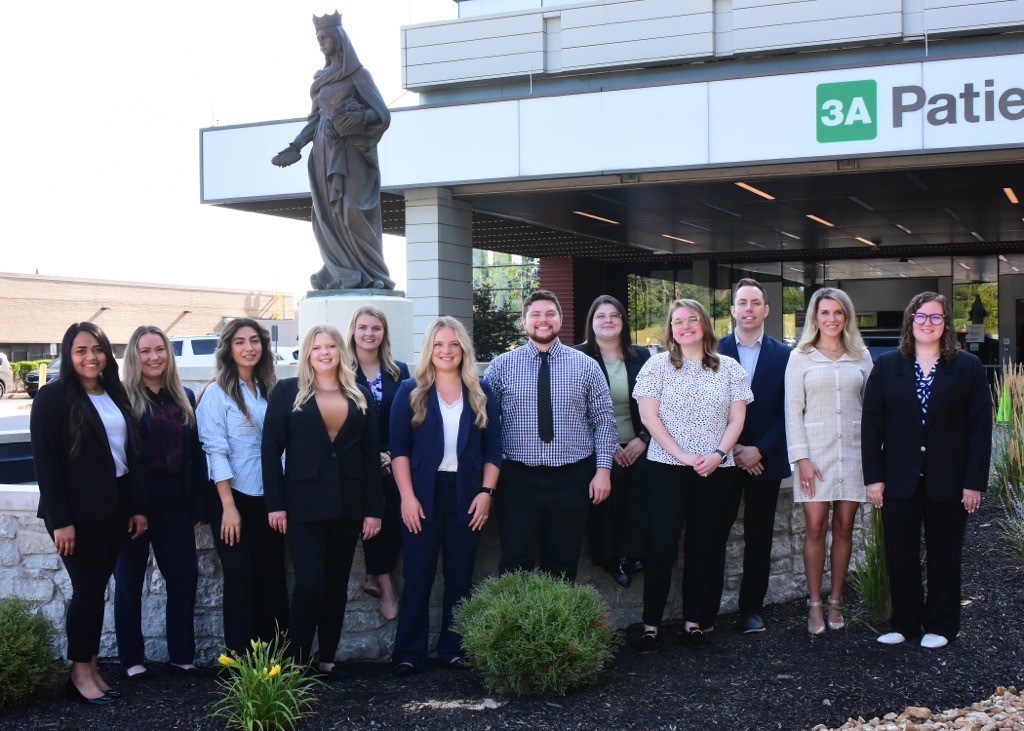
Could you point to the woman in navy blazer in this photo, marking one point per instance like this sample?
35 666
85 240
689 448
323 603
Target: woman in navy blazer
926 440
91 491
174 465
369 348
446 453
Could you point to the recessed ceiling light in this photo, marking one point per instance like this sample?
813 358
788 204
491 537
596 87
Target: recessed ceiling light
756 191
903 228
1015 269
1011 195
865 241
822 221
860 203
792 236
676 238
723 210
977 235
960 263
596 218
1003 258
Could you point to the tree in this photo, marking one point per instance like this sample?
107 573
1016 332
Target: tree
495 330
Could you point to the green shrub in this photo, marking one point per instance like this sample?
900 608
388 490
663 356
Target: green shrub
262 689
531 634
1012 524
28 655
22 368
870 578
1008 434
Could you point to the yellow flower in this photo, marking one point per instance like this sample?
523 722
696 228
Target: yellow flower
276 670
225 660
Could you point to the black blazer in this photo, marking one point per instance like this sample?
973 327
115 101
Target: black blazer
951 449
321 480
194 469
82 489
633 366
765 424
389 387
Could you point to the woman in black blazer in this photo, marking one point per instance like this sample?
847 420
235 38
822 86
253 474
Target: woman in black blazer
618 526
369 351
926 443
90 488
174 464
446 443
328 491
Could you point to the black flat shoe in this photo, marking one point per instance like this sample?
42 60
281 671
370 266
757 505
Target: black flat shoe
696 637
337 674
404 670
458 663
648 642
146 674
186 672
617 570
635 567
113 693
74 694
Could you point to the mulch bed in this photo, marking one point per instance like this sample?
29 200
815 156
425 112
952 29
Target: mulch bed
780 679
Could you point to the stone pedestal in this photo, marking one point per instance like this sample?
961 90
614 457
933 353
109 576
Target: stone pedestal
335 307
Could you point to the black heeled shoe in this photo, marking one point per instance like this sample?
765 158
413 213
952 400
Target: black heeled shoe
74 694
617 570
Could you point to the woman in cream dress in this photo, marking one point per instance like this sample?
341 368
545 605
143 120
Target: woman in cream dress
825 382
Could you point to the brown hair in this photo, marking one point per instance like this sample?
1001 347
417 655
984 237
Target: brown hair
542 295
225 370
710 358
948 345
625 338
748 282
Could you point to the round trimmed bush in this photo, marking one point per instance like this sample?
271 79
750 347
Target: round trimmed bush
531 634
28 655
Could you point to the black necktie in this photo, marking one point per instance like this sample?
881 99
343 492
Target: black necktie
545 419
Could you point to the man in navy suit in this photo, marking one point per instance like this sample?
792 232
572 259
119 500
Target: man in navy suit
761 451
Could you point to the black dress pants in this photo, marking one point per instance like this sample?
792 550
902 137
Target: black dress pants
543 508
255 589
679 496
760 498
97 545
381 551
322 552
173 538
618 526
944 524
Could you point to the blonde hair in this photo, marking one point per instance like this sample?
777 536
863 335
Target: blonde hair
709 359
387 361
853 344
346 376
425 375
132 377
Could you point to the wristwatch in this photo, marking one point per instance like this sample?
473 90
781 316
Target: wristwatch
721 453
488 490
645 438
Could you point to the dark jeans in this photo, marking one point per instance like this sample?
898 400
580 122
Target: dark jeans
97 544
381 551
447 532
944 537
760 498
545 509
679 496
618 526
322 553
172 536
255 590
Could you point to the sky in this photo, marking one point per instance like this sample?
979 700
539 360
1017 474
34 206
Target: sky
100 110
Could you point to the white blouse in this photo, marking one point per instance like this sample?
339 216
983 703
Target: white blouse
116 429
693 402
451 414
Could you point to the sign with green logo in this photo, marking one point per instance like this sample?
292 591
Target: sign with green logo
848 111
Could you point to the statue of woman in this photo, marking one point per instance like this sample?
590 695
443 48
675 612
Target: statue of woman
348 119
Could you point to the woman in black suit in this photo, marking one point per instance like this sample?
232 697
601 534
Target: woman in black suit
369 351
618 526
328 491
174 464
90 488
926 443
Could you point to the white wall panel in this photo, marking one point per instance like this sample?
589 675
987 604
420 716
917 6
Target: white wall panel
946 16
236 162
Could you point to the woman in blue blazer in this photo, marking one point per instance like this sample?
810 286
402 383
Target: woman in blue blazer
174 468
446 455
369 347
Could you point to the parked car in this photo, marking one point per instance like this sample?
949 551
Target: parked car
879 342
6 375
198 350
32 379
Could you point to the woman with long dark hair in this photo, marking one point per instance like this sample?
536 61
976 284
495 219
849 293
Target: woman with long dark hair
446 443
369 350
927 441
90 489
174 465
327 493
693 401
230 415
618 526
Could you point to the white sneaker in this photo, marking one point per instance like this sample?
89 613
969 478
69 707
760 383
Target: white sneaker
892 638
933 642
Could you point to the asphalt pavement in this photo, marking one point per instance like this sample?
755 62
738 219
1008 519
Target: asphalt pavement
14 411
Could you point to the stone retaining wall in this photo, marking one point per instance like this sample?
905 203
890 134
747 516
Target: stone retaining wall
30 568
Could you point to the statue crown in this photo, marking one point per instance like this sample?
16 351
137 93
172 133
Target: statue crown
327 21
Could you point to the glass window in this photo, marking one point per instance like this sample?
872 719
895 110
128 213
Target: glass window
204 346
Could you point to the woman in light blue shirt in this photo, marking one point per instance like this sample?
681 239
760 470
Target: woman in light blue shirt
230 416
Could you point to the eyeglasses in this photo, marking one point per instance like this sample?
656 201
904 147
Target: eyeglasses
601 317
691 320
920 318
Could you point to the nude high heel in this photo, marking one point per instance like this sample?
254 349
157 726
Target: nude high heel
819 630
836 605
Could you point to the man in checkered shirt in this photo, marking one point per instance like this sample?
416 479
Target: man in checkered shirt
558 450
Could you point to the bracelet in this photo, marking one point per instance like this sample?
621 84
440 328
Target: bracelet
722 454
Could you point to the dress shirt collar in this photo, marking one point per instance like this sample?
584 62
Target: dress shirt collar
534 351
757 342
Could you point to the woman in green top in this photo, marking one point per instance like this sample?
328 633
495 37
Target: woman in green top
618 539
